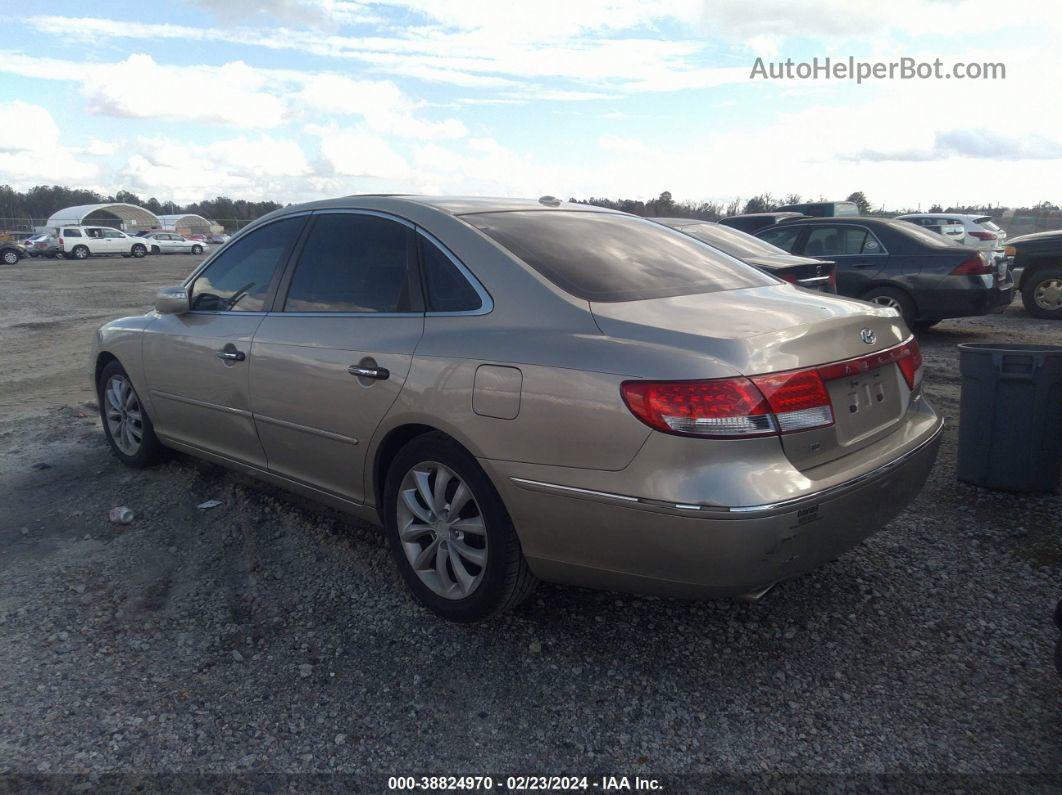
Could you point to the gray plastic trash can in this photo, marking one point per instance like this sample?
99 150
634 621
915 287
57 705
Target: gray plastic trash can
1010 419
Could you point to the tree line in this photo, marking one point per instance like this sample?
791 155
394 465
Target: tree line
43 200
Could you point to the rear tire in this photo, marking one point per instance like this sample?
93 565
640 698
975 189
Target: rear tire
1042 294
156 250
894 299
461 590
80 252
125 418
924 324
10 257
139 250
197 250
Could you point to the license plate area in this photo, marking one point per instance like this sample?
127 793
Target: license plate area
867 403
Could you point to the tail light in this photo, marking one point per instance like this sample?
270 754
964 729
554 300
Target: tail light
976 265
833 281
1010 251
61 244
787 277
763 405
984 235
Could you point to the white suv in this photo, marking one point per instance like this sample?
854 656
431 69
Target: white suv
82 242
978 231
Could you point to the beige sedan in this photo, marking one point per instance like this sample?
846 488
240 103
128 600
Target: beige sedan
521 390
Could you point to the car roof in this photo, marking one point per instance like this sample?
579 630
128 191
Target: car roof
453 205
681 221
943 215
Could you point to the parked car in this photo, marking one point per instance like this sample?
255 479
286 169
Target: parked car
1036 262
922 275
172 243
823 209
978 231
753 222
522 390
82 242
41 245
954 232
219 238
11 253
813 274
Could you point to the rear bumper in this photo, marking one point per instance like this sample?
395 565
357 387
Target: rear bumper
619 542
964 296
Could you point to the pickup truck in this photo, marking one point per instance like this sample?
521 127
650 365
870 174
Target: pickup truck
1036 261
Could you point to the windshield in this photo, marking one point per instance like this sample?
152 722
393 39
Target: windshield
613 257
733 241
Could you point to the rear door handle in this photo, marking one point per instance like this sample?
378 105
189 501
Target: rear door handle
379 373
864 265
232 356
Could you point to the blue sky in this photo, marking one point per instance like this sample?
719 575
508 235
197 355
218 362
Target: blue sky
299 99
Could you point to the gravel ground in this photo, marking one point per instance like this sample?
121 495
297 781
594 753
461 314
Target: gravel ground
268 636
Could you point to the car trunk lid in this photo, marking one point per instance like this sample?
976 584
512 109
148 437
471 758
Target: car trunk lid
778 329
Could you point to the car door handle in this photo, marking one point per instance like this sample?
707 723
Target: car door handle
379 373
864 265
232 356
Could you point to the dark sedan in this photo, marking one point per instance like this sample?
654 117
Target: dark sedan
922 275
814 274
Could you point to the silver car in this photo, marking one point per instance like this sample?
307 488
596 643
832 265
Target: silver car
521 390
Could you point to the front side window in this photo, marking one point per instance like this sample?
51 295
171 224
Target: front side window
613 257
784 237
238 279
112 233
446 288
353 263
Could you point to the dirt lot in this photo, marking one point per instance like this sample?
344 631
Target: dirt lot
268 636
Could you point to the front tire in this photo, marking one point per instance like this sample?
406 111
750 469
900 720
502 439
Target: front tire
450 534
894 299
126 423
1042 294
197 250
156 250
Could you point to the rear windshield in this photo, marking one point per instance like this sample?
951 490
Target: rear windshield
927 236
606 257
732 241
987 223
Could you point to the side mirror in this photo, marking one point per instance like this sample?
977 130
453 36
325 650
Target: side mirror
172 301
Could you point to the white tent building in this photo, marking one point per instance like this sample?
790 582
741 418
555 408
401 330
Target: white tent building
128 217
189 224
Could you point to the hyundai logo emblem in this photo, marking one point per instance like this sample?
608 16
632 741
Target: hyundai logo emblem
868 336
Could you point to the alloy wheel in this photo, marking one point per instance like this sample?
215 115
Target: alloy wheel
1048 294
442 530
125 419
887 300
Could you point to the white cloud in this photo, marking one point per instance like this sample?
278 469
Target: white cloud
30 152
356 152
383 105
235 94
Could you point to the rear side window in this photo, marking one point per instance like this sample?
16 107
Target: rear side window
238 279
352 263
71 233
606 257
446 288
839 241
784 237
